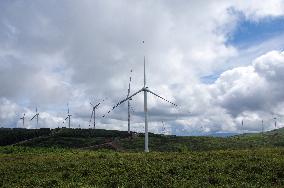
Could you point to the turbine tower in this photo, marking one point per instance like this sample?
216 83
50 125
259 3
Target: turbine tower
23 118
145 90
36 115
128 93
93 115
262 126
68 117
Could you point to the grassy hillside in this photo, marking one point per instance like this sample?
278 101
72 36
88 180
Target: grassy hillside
122 141
64 138
273 138
11 136
46 167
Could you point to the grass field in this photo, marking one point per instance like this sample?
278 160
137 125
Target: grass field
101 158
50 167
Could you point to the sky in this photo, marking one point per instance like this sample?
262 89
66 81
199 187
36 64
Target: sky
221 62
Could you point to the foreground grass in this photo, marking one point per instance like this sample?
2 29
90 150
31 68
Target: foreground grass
47 167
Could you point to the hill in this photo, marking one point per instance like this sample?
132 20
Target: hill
11 136
122 141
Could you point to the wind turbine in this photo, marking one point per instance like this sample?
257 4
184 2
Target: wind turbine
68 117
145 90
243 126
164 131
93 115
36 115
275 122
128 93
23 118
262 126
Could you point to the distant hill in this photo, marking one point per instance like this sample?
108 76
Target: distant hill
273 138
122 141
222 134
11 136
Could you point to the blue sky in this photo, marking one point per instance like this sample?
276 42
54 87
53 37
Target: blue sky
251 32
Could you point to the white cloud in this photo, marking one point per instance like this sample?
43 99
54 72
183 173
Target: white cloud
255 10
252 92
52 53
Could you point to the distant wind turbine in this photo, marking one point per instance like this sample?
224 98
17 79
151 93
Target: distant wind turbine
262 126
23 118
93 115
164 131
36 115
145 90
68 116
243 126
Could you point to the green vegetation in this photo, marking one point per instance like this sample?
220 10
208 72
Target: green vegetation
202 143
64 158
45 167
63 138
11 136
122 141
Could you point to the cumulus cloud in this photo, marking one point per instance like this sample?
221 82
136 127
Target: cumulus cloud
253 92
53 53
255 87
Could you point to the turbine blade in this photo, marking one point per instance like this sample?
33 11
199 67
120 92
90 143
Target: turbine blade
66 118
91 115
131 96
126 99
97 105
122 101
144 72
33 117
161 97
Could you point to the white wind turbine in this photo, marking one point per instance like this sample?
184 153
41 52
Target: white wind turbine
23 118
275 122
93 115
128 93
68 117
164 131
145 90
36 115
